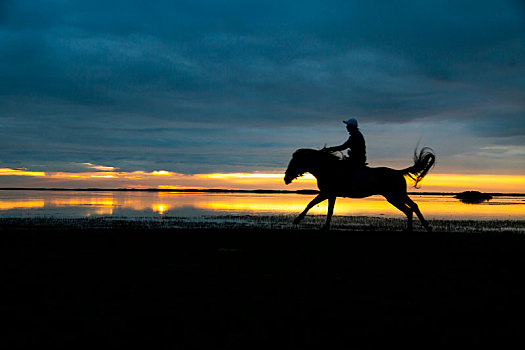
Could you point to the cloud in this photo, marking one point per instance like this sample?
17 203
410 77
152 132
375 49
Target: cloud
192 87
100 167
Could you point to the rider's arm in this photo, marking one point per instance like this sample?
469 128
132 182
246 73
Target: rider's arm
338 148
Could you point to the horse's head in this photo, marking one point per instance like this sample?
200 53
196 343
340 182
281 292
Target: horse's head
294 169
303 161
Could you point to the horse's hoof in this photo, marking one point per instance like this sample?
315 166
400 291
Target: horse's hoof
429 228
297 221
325 228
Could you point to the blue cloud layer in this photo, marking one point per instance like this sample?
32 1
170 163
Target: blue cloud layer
143 84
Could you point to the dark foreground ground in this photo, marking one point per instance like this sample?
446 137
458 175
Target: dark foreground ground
258 288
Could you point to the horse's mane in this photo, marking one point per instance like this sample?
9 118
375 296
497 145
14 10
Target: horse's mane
317 154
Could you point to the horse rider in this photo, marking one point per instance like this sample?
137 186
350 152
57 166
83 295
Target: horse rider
355 145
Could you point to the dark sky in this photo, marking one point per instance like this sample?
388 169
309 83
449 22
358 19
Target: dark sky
212 86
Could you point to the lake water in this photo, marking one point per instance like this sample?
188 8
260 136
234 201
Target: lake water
75 204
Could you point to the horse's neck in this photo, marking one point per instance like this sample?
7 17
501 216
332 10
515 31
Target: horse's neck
316 171
319 172
321 167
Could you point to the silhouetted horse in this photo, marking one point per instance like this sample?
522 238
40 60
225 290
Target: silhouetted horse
335 179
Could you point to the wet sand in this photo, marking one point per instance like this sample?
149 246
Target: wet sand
257 288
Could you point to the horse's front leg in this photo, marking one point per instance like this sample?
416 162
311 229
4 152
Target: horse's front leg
331 204
320 197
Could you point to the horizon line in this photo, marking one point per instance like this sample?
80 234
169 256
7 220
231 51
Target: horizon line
219 190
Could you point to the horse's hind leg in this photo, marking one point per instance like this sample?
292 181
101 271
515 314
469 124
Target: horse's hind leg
401 205
416 210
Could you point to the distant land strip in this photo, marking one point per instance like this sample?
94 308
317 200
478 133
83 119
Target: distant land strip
220 190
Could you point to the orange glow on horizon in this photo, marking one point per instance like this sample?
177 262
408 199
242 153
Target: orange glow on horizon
141 179
110 176
480 182
65 176
175 187
239 176
17 172
255 180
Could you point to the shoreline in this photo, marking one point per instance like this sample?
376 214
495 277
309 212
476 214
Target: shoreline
262 222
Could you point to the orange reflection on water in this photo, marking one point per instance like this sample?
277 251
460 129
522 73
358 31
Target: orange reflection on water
431 206
195 204
503 207
21 204
100 211
285 203
79 201
160 208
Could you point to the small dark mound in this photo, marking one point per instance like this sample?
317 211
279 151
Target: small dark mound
473 197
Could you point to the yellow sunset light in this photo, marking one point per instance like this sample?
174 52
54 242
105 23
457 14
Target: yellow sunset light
239 175
161 172
483 182
176 187
67 175
434 182
99 167
16 172
95 201
159 208
249 176
111 176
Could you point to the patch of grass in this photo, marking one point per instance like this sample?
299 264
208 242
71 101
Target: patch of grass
344 223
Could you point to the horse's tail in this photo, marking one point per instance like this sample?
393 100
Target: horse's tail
422 165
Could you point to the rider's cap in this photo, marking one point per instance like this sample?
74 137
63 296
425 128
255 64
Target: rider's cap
351 121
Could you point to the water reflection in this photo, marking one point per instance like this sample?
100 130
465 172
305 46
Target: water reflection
136 204
20 204
160 208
